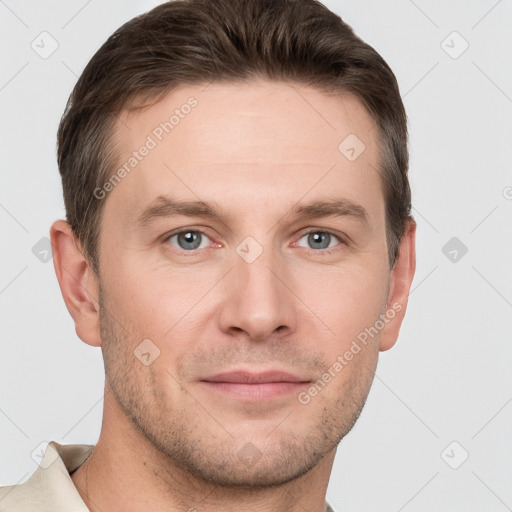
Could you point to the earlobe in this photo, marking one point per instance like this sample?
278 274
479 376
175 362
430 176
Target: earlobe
400 285
78 282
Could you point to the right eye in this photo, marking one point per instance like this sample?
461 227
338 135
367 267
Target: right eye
188 240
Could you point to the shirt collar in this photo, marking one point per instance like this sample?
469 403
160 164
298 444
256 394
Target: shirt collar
50 487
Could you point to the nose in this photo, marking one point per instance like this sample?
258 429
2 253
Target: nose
259 300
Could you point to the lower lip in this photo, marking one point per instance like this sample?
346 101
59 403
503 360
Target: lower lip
259 391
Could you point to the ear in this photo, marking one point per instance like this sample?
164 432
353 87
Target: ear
400 284
78 282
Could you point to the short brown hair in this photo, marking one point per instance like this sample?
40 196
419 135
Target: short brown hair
201 41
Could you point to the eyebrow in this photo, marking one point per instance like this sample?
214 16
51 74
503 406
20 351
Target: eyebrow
164 207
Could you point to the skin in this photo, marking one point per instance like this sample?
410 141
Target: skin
170 441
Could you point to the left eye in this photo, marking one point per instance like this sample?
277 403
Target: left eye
320 239
189 240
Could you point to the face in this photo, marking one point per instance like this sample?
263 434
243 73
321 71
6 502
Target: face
227 324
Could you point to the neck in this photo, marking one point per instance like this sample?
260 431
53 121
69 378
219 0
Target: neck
126 472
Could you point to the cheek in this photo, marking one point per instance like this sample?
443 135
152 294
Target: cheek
345 301
135 291
157 305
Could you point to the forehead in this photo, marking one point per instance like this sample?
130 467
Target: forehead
248 144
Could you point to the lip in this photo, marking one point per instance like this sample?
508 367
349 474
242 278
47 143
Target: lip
246 377
255 386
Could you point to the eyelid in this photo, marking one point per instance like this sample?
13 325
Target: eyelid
323 230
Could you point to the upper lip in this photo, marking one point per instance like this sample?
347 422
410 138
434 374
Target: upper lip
247 377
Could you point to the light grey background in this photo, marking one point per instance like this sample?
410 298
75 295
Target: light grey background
448 377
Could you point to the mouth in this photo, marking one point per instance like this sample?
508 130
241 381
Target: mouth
255 386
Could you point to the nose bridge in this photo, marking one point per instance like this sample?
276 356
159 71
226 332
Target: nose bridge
258 302
257 270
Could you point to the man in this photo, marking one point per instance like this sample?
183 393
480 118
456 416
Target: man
239 243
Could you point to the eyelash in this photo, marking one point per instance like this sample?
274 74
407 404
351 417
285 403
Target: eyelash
326 251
